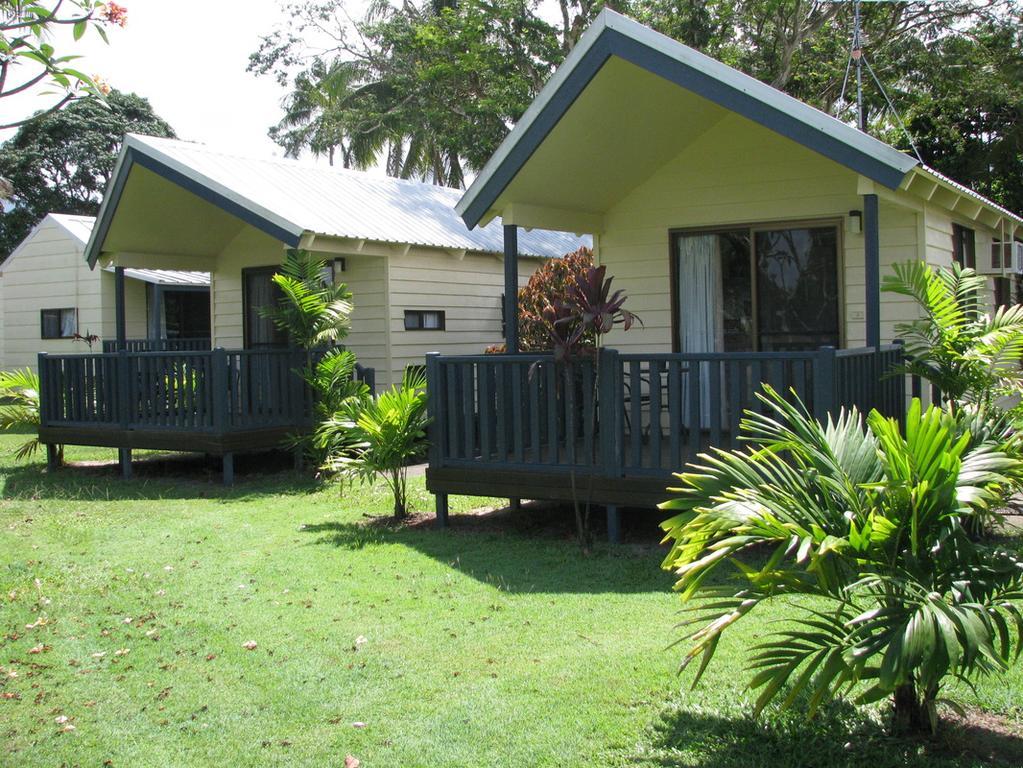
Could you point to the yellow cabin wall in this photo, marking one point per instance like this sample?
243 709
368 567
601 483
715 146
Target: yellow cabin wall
385 280
50 272
740 173
467 288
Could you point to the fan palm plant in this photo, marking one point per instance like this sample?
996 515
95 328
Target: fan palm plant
378 436
314 311
19 407
969 355
868 523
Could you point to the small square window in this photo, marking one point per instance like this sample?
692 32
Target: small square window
58 323
424 320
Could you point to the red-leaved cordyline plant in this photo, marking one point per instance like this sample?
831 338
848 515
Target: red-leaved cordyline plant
589 311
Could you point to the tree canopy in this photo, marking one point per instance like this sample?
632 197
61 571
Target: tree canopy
430 88
62 161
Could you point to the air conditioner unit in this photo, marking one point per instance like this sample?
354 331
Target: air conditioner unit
1006 258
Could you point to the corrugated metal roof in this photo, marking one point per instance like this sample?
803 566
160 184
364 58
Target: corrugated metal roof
343 203
964 190
79 227
611 34
166 276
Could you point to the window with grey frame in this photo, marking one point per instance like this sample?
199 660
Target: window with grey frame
964 246
757 288
259 293
58 323
424 320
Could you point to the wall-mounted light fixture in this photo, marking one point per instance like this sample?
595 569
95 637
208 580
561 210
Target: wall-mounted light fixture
854 222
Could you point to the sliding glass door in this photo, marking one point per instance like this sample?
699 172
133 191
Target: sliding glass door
759 288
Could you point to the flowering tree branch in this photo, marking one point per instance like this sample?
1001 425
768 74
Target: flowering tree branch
28 60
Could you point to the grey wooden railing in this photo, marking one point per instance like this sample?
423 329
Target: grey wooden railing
214 391
157 345
632 414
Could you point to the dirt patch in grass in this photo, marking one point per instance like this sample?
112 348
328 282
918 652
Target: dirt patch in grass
981 736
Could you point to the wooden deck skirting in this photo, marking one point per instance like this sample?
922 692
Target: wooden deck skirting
521 426
219 402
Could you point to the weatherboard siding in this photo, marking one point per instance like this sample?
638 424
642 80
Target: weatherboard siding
467 288
365 276
741 174
50 272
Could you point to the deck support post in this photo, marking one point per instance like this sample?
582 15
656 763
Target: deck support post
228 465
511 289
441 501
514 504
122 333
872 269
614 525
299 457
52 457
124 458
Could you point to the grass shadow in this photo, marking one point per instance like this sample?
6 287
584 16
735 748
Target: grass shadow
530 550
159 476
841 736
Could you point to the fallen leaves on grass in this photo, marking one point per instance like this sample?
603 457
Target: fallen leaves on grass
351 761
40 648
250 645
40 622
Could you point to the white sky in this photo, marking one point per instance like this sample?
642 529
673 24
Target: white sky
188 57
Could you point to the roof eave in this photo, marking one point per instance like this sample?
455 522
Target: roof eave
614 35
960 191
136 151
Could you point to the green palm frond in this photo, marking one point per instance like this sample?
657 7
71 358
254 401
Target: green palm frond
376 436
19 406
867 517
314 311
969 355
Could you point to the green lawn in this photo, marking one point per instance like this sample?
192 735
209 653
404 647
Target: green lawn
492 644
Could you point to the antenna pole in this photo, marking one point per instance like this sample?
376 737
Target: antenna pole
857 54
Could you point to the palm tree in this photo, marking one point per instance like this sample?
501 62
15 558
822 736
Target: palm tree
867 522
972 357
318 115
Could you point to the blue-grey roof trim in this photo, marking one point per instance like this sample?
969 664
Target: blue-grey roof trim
132 154
611 34
289 198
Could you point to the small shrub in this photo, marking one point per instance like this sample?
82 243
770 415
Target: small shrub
548 287
870 522
379 435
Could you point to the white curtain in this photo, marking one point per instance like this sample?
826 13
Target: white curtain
68 323
700 313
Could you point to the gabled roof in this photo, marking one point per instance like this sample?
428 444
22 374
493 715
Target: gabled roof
79 228
288 199
614 36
